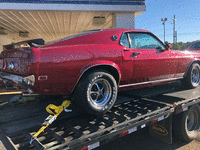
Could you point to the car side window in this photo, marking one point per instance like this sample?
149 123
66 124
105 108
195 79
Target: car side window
144 41
195 45
124 40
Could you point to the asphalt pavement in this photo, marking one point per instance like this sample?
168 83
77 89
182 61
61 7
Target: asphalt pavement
141 140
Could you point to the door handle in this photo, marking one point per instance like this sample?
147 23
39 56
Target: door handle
134 54
125 50
126 54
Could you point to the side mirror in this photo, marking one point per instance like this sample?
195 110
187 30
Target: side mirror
160 49
167 45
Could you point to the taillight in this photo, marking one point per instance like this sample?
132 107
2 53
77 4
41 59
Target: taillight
4 64
12 65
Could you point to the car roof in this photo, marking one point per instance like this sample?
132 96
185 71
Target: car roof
124 30
96 37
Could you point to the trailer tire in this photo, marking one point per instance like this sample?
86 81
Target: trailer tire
96 93
187 124
192 78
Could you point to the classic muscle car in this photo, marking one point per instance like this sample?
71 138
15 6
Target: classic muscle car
94 66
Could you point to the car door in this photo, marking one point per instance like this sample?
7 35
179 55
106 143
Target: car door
127 60
151 61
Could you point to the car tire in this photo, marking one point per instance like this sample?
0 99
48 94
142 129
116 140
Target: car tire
186 125
96 93
192 78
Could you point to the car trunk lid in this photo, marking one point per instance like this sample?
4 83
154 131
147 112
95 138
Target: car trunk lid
15 58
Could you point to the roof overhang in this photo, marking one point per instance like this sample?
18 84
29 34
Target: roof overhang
53 19
72 7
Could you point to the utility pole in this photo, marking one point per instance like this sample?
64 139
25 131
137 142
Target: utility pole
174 33
163 22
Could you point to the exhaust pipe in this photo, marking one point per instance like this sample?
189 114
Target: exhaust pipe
29 93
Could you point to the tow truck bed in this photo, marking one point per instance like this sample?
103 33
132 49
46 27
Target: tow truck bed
134 110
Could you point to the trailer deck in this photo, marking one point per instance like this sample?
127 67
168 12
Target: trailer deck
134 110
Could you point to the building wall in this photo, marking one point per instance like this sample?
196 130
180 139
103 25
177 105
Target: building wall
4 41
24 15
123 20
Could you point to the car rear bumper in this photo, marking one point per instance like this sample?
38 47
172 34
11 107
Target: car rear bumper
27 81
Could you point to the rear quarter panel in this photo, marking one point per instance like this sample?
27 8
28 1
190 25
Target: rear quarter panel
65 64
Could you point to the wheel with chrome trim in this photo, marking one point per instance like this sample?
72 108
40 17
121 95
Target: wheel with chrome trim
191 80
187 124
96 93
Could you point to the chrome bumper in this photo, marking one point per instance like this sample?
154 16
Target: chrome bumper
27 81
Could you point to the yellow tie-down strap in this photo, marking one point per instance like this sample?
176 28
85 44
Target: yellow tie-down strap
54 111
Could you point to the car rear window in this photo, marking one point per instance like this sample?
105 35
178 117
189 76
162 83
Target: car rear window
73 36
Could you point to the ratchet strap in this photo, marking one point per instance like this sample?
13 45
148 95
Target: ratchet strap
54 111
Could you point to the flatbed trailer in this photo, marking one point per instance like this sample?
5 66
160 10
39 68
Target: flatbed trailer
162 108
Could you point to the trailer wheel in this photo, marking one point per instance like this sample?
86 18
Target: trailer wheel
96 93
191 80
186 125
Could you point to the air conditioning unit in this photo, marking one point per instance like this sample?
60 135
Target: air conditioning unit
99 20
23 34
3 31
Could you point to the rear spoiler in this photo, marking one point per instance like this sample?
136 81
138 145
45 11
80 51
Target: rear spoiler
29 42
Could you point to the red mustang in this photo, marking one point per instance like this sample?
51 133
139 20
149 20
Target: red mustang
95 65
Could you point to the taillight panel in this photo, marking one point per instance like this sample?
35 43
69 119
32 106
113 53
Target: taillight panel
15 65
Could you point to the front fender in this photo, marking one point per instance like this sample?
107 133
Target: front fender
190 64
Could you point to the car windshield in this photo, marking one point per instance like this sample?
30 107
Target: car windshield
73 36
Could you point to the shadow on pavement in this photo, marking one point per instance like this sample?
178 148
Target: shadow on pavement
141 140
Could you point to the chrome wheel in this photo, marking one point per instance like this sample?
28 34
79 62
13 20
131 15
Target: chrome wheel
96 93
192 121
191 80
100 92
195 76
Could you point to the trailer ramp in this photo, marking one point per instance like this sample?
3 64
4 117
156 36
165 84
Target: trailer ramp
86 131
76 130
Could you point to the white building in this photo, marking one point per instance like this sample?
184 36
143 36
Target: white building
52 19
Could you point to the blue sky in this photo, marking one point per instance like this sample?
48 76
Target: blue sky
187 13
